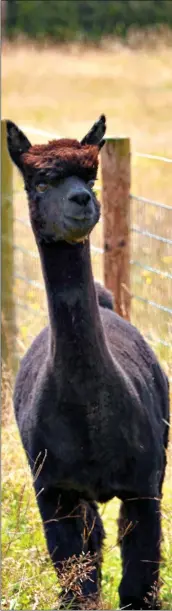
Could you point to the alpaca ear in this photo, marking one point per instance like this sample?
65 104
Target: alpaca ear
96 133
17 143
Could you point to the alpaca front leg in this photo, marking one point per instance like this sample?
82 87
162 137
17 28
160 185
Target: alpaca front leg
140 536
63 516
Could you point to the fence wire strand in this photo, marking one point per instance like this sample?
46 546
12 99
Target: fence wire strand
145 200
153 270
153 303
148 234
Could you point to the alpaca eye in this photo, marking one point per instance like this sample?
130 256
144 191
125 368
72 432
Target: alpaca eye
91 183
41 187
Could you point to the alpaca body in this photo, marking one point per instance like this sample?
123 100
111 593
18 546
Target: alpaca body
79 415
91 400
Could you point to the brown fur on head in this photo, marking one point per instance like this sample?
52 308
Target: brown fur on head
58 155
63 158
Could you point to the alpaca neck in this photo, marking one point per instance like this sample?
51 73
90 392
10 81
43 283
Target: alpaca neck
75 326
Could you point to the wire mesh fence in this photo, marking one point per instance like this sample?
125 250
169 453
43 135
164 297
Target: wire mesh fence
150 268
150 264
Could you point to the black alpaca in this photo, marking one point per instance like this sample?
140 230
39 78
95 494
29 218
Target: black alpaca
91 400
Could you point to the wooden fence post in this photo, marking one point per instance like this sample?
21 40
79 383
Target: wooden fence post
7 302
115 166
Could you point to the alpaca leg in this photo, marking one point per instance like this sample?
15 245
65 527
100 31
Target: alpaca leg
94 536
63 516
140 535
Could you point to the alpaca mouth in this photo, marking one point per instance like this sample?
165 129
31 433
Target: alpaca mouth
82 216
78 229
80 224
78 240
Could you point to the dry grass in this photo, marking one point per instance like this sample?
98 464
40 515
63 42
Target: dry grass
63 91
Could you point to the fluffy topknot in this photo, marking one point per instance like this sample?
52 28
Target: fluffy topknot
63 158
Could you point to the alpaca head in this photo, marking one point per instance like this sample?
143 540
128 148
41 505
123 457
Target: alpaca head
58 178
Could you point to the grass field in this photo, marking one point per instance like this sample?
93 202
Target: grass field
63 91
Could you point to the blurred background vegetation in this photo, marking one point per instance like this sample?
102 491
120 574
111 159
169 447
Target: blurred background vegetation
69 20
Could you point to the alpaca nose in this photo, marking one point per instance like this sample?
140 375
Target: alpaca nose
80 197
